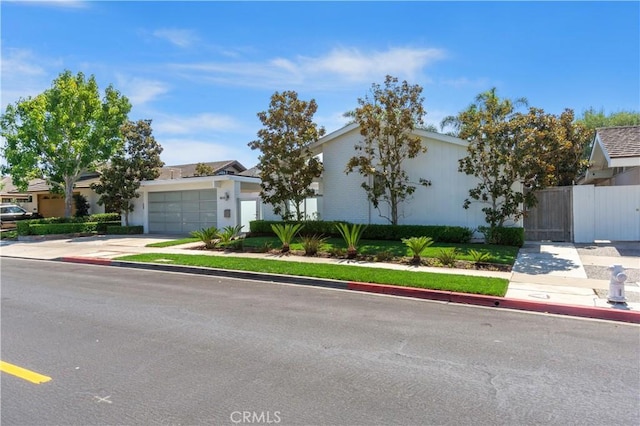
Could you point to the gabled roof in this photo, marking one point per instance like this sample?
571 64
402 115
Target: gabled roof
40 185
615 147
189 170
419 132
619 142
252 172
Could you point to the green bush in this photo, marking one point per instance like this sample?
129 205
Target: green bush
62 228
100 217
102 227
124 230
503 236
444 234
104 217
23 228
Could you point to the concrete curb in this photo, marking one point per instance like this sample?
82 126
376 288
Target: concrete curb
610 314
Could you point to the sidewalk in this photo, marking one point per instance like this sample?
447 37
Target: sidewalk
546 277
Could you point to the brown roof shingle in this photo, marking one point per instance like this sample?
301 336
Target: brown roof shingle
620 142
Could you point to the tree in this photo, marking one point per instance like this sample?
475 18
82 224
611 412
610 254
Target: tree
139 160
508 148
203 169
387 120
593 119
62 133
287 166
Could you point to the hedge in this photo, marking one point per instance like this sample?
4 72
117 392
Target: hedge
100 217
445 234
124 230
513 236
61 228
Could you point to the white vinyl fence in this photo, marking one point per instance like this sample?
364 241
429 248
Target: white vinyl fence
606 213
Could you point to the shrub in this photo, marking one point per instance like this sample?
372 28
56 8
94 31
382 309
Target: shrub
417 245
23 227
265 247
336 251
124 230
512 236
81 204
62 228
208 236
286 232
351 235
105 217
479 256
102 227
384 256
312 244
448 257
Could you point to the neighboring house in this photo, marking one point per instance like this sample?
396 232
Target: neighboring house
615 157
179 202
38 198
343 197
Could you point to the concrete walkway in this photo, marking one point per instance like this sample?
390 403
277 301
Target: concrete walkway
551 273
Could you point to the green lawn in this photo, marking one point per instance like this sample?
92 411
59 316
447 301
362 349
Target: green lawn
447 282
171 243
499 254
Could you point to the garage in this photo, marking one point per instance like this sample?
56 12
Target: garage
180 212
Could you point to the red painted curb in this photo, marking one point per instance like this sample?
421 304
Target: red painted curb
500 302
88 260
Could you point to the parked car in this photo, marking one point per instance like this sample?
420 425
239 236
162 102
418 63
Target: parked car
11 213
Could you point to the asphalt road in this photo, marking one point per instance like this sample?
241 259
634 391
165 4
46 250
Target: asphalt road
132 347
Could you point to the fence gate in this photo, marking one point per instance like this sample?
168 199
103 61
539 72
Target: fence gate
551 218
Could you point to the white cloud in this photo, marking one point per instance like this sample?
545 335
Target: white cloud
178 37
140 91
23 74
338 68
68 4
177 125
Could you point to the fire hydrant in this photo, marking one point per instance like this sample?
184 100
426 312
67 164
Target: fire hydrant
616 285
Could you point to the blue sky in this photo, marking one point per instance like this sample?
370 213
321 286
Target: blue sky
203 70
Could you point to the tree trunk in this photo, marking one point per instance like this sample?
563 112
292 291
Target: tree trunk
68 196
126 218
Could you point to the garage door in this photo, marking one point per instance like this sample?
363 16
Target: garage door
180 212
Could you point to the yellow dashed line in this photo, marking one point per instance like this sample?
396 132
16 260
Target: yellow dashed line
23 373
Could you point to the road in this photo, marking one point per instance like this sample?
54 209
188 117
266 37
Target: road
137 347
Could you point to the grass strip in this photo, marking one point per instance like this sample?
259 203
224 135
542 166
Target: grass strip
172 243
446 282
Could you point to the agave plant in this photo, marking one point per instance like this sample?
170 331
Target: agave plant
448 257
312 244
209 236
286 233
417 245
351 235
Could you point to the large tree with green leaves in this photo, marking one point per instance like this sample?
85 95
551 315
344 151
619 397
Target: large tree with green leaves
593 119
62 133
513 154
138 160
287 166
387 120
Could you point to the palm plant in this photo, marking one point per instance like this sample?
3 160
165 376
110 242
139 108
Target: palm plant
286 232
351 235
229 233
209 236
479 256
417 245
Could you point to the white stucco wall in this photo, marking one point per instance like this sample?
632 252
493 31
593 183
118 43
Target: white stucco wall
439 204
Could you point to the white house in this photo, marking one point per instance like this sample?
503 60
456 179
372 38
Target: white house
179 202
343 197
615 157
